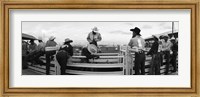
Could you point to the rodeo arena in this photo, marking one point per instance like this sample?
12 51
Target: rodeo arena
155 55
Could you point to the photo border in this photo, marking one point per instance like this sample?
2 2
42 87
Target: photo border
193 5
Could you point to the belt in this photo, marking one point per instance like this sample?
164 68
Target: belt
140 52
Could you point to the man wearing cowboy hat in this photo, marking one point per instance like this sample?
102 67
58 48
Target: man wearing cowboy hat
138 43
166 47
32 49
156 57
63 55
49 54
94 36
89 52
40 51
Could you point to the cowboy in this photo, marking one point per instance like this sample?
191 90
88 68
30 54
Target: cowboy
49 53
94 36
41 45
40 51
24 54
32 51
89 52
174 49
138 43
32 46
166 47
156 57
63 55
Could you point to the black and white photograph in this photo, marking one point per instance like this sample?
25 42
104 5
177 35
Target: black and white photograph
100 47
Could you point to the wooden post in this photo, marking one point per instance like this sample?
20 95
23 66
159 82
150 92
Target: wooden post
129 61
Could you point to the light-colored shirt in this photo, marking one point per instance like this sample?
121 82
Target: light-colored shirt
137 42
96 37
50 43
166 46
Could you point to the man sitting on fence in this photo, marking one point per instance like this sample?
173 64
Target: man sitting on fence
88 52
138 44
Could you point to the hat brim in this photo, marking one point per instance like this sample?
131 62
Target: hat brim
68 41
92 48
133 30
165 37
95 31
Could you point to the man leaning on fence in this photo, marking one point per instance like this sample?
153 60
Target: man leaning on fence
50 53
137 43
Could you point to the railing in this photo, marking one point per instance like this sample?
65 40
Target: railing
106 64
121 63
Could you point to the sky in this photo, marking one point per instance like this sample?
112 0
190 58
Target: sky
113 33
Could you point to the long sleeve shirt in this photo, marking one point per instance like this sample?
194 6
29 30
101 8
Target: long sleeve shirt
137 42
50 43
166 46
68 48
94 37
154 48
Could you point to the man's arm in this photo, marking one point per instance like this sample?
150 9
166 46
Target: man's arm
99 37
130 43
88 38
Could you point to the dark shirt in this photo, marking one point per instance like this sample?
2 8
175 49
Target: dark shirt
68 48
174 47
154 49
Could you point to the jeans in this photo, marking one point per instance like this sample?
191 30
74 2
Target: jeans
155 64
140 63
174 55
167 56
62 58
49 54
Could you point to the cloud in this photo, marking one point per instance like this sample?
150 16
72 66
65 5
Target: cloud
129 24
120 32
165 25
147 27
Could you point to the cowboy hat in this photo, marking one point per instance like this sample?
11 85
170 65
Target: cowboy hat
92 48
155 37
95 29
68 40
52 38
165 36
136 30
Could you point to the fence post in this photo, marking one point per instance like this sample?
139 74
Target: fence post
129 61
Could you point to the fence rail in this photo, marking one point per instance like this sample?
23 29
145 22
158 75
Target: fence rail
121 63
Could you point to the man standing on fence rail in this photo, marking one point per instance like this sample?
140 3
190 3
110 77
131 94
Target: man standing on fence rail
94 36
137 43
